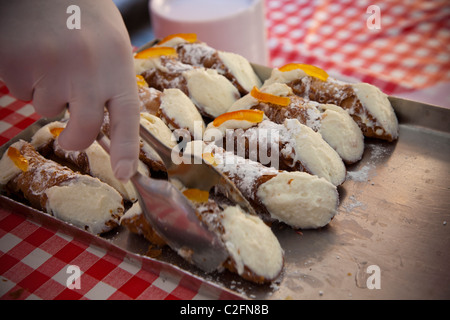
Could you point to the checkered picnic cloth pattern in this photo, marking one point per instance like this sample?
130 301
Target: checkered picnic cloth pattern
15 115
409 52
34 264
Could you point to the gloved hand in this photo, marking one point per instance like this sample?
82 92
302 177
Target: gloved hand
41 59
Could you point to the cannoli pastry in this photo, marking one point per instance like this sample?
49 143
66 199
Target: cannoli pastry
233 66
254 252
298 199
79 199
94 160
174 108
367 104
290 146
147 155
335 125
162 132
135 221
211 92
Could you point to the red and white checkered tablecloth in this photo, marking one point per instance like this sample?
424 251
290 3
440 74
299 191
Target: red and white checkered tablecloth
409 55
35 264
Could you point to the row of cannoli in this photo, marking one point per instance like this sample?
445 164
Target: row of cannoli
297 147
85 194
294 135
315 131
316 99
298 199
283 142
367 105
256 261
308 135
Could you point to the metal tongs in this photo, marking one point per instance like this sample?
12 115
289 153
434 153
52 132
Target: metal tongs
172 215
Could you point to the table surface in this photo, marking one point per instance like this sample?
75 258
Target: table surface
408 56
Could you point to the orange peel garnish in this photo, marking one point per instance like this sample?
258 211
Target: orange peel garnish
254 116
141 81
56 131
19 160
189 37
209 157
154 52
196 195
310 70
269 98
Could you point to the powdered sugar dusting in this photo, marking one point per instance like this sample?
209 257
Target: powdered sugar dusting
362 175
366 172
245 171
353 204
195 53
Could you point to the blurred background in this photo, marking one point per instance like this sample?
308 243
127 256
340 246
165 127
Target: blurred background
136 16
405 50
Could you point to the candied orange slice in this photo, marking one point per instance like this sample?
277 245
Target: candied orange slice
141 81
209 157
269 98
154 52
56 131
254 116
189 37
310 70
196 195
19 160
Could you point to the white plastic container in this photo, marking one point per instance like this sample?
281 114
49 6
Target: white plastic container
230 25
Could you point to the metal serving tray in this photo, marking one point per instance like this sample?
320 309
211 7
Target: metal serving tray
389 240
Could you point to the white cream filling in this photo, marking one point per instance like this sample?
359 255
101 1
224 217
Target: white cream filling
86 203
44 135
244 103
100 167
284 76
178 107
341 132
299 199
278 89
212 133
315 153
141 65
99 160
241 69
160 130
251 243
377 104
134 211
210 91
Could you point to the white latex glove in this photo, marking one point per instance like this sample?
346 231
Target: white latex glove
41 59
